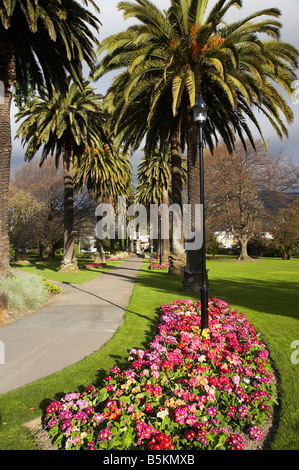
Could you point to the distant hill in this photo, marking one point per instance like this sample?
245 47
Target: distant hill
280 200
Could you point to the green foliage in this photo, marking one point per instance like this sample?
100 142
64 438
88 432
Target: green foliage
12 251
51 287
58 122
49 39
23 95
286 230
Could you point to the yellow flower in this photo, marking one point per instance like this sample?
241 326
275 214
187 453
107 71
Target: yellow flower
205 333
195 329
136 415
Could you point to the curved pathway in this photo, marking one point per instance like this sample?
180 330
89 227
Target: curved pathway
75 324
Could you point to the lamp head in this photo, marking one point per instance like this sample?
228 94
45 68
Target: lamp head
200 111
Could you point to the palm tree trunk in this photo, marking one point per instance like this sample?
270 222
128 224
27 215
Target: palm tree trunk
165 246
7 78
69 262
193 270
177 258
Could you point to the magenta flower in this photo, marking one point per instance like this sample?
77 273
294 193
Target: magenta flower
105 434
52 423
212 411
255 433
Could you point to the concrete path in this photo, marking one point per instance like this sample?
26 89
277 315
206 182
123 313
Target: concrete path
74 325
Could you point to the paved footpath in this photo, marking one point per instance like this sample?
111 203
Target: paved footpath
72 326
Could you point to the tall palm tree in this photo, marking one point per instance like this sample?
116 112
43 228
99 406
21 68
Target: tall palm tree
64 125
172 56
160 130
155 187
46 40
124 187
106 173
154 183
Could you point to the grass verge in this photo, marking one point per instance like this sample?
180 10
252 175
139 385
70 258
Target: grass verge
265 290
50 270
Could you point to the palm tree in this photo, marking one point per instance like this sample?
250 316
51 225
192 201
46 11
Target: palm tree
46 40
64 125
123 187
155 187
173 56
106 173
154 183
134 124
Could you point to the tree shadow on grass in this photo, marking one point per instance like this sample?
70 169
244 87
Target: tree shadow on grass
276 297
269 296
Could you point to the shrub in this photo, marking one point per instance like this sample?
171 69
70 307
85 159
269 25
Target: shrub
24 293
185 391
3 307
50 286
3 300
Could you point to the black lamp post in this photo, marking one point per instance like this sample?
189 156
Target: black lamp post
160 237
200 111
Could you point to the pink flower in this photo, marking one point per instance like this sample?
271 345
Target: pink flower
236 442
98 418
180 376
255 433
105 434
80 416
212 411
52 423
53 407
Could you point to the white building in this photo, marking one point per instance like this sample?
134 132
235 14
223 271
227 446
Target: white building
226 239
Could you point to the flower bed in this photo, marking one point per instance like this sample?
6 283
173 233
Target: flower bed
184 391
94 265
158 266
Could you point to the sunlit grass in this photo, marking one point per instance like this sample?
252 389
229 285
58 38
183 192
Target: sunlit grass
50 270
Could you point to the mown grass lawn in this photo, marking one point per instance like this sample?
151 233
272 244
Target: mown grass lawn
50 270
265 290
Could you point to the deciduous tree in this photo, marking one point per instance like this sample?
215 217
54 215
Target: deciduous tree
241 186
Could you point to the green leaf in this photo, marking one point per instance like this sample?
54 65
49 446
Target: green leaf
103 395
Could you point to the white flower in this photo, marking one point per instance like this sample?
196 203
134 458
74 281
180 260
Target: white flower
162 414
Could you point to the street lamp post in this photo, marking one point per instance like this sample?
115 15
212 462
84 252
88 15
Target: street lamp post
200 111
160 237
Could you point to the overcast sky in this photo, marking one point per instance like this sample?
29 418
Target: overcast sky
113 22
